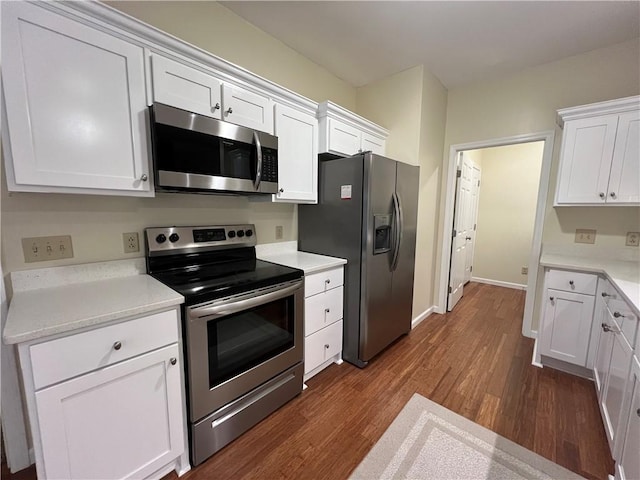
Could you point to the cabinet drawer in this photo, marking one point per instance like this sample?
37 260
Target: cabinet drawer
322 345
622 315
322 309
67 357
322 281
575 282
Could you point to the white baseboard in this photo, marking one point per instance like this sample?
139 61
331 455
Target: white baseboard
535 360
416 321
498 283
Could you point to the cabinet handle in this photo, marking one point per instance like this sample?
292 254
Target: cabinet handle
327 310
605 294
216 107
467 238
144 177
173 360
229 111
613 194
601 195
571 282
638 412
327 281
117 345
606 328
281 190
326 345
617 315
552 298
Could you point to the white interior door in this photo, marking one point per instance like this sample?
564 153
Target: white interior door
460 231
472 221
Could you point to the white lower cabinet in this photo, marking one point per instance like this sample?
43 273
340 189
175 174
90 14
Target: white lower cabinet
627 451
120 413
323 320
568 315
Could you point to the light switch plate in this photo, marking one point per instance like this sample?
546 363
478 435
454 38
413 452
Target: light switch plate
633 239
42 249
585 236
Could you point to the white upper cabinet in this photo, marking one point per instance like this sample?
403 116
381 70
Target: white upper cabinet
344 133
600 156
246 108
184 87
75 105
297 134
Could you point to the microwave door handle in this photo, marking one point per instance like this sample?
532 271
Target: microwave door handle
256 140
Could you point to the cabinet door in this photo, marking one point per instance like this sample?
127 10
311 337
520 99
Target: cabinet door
567 326
247 109
585 162
373 143
628 446
297 134
602 361
184 87
624 182
611 403
343 139
75 103
124 421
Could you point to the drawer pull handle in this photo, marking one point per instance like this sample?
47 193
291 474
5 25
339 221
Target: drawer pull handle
216 107
606 328
326 345
117 345
601 194
605 294
617 315
327 310
173 361
571 282
638 412
327 281
552 298
229 111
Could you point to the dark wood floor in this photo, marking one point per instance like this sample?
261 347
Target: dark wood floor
473 361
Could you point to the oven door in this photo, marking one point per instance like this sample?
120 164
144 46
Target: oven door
236 344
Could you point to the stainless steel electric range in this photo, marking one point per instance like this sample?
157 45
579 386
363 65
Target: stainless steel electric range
242 328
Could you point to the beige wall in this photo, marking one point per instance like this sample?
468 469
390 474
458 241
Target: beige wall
96 223
218 30
506 211
526 102
412 105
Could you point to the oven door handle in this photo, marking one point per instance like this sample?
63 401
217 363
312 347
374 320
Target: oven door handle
256 140
233 306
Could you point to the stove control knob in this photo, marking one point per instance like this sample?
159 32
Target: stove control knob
174 237
232 234
161 238
249 233
240 233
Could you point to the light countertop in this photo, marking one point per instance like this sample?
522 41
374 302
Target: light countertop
286 253
41 312
623 274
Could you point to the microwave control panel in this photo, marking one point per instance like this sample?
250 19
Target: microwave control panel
269 165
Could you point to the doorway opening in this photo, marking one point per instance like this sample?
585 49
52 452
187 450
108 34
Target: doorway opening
505 245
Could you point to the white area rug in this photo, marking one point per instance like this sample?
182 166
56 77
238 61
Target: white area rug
427 441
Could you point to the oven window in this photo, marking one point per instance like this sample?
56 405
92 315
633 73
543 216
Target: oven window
243 340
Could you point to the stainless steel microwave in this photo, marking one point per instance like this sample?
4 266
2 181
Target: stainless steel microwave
194 153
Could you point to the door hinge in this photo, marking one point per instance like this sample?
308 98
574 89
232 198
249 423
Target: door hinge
450 290
454 234
458 173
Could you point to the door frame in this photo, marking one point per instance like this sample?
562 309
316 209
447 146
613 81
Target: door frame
548 138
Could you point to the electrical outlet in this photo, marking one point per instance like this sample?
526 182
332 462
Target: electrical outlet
42 249
585 236
279 232
130 242
525 270
633 239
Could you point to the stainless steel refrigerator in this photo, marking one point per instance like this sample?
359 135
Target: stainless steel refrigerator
367 213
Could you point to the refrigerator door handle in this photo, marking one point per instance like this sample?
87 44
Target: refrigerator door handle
399 225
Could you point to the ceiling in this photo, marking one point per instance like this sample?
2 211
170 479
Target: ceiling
458 41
